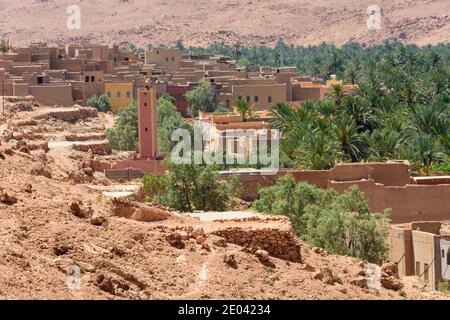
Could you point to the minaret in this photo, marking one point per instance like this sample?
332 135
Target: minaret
148 139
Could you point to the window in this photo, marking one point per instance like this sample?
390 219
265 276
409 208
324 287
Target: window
146 129
109 94
269 99
118 94
173 59
448 258
145 104
239 98
256 98
443 253
92 79
86 79
417 268
167 59
235 145
248 98
425 276
128 94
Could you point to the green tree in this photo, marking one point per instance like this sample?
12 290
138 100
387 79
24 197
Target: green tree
168 120
353 145
4 45
191 186
244 108
201 99
339 223
101 103
124 135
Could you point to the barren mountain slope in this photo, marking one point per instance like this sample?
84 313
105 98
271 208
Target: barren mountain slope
44 232
200 22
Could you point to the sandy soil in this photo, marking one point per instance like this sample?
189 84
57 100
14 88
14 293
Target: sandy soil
41 239
201 22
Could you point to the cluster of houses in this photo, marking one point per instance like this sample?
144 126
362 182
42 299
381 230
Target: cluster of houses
73 73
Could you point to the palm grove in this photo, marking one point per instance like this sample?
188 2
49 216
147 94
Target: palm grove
398 109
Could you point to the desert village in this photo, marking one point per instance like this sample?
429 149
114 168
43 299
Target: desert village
51 139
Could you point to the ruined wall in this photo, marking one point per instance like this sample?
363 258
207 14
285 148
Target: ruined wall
391 173
68 114
278 243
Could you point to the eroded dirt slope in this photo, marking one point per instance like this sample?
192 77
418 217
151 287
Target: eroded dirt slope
52 219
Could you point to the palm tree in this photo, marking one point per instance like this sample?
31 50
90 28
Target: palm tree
426 152
385 144
357 108
244 108
336 94
352 144
318 151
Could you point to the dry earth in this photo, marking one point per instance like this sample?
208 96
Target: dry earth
201 22
53 216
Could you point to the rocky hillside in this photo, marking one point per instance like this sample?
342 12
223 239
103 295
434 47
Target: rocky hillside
62 237
201 22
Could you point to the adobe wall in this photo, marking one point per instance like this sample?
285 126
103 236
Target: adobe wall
426 257
153 166
384 185
445 268
433 227
401 250
53 94
408 203
390 173
418 203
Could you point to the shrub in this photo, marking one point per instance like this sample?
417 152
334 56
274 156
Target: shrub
124 135
191 186
101 103
339 223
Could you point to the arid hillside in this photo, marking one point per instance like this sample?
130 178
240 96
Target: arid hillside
201 22
65 235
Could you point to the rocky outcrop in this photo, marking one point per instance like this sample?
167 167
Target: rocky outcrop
72 114
100 148
136 211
